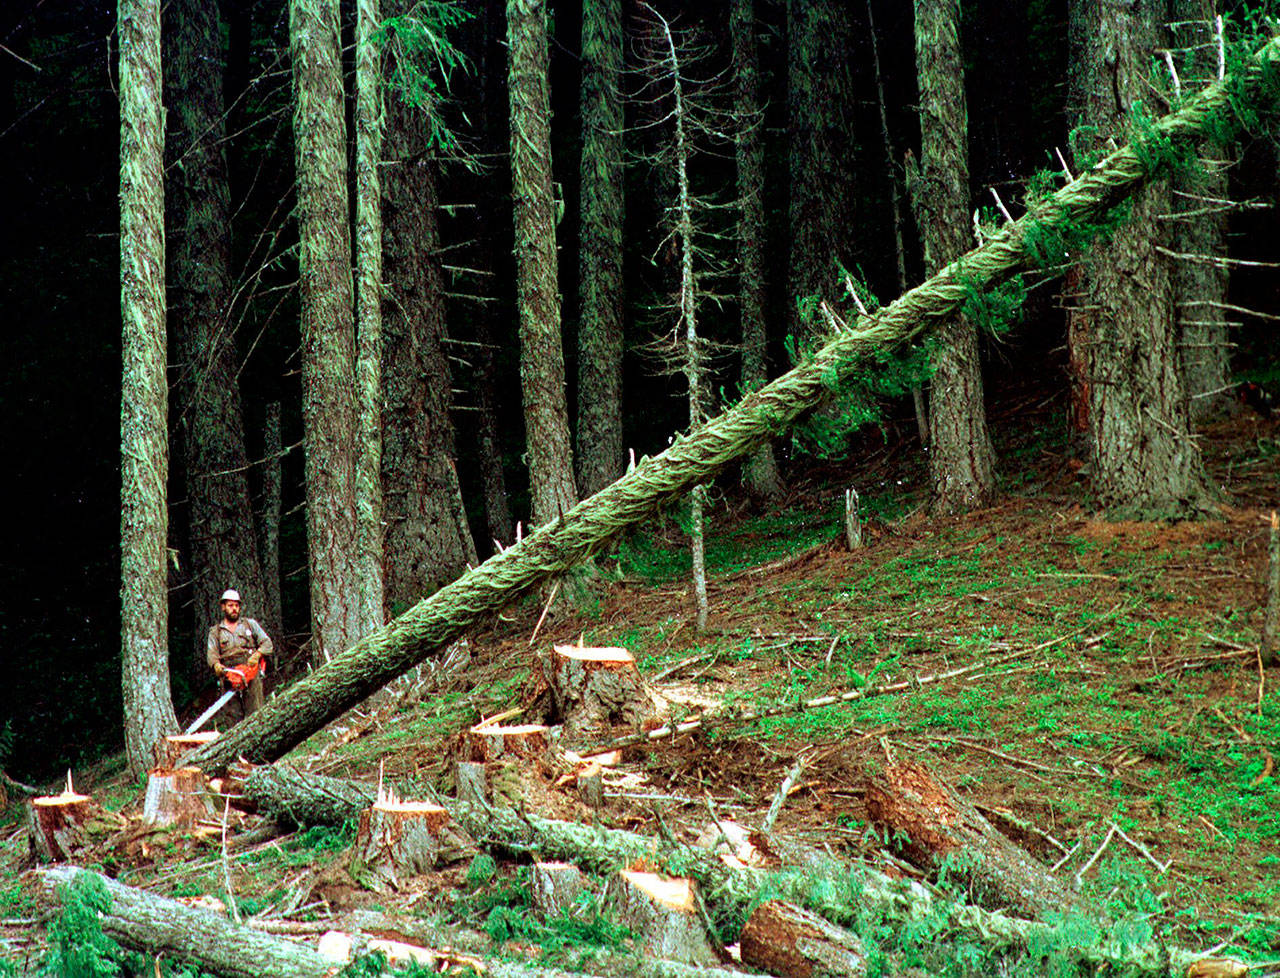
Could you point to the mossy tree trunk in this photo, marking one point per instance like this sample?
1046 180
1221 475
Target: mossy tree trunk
327 322
1200 228
960 455
600 329
537 293
144 448
760 470
1143 461
369 122
221 538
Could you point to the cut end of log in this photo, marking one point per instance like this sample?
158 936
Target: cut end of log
674 893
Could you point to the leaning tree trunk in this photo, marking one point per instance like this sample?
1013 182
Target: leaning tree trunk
600 250
426 546
327 318
144 446
222 542
1144 463
546 414
301 709
960 455
760 470
1199 229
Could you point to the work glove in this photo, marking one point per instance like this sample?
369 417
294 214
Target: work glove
254 658
219 669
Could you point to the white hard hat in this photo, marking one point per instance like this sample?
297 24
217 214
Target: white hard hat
231 594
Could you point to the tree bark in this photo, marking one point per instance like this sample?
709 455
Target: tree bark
760 470
301 709
396 840
789 941
223 550
327 319
600 449
1144 464
269 510
940 831
541 354
960 454
662 913
144 406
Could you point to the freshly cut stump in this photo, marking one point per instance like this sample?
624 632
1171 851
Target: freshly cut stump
932 823
593 689
170 750
494 742
63 826
400 839
556 888
176 799
789 941
663 913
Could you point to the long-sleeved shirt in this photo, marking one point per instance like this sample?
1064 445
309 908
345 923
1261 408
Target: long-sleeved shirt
231 645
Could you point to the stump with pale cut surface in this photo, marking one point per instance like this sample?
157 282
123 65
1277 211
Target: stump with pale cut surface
170 750
789 941
594 689
63 827
555 888
400 839
177 799
495 742
662 912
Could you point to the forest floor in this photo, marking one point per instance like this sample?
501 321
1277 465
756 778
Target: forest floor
1115 683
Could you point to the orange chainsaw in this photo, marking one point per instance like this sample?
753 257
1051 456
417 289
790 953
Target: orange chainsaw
238 678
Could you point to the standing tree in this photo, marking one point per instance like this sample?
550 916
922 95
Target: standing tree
537 295
1144 462
960 455
144 450
220 527
326 313
760 471
600 250
427 544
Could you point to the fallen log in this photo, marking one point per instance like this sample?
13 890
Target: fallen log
306 706
836 891
937 830
791 942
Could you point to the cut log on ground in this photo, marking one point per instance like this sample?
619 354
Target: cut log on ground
177 799
307 705
400 839
729 893
662 913
935 828
555 887
170 751
66 826
789 941
595 689
495 742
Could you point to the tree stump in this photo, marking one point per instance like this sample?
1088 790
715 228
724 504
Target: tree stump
593 689
177 798
494 742
663 914
591 786
786 940
555 888
170 750
469 777
399 839
61 827
932 823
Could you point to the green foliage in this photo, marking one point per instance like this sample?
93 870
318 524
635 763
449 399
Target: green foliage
482 870
77 946
994 310
1063 242
1159 154
423 61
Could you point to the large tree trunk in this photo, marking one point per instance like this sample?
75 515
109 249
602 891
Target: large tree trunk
328 344
600 448
960 455
1200 227
546 415
760 470
144 443
1144 462
426 546
301 709
222 543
